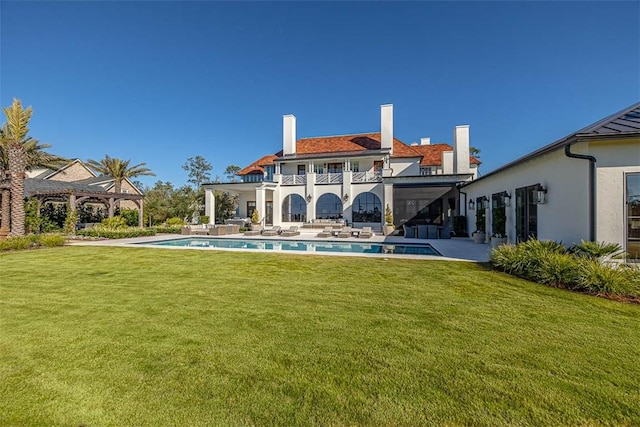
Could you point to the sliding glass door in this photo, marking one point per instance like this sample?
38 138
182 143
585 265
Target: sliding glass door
526 213
633 216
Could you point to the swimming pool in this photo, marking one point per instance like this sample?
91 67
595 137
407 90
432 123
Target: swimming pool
299 246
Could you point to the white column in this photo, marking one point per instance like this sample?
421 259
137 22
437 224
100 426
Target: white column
387 199
260 203
277 207
210 205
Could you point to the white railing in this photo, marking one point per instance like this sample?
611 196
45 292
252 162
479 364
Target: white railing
294 179
366 177
328 178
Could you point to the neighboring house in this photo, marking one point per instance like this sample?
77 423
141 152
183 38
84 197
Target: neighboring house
353 178
77 183
585 186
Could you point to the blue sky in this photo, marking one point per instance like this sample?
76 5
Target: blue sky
159 82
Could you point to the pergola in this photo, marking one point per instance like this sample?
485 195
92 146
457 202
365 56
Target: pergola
76 194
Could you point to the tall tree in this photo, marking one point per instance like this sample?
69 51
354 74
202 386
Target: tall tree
119 169
198 169
35 157
14 136
231 172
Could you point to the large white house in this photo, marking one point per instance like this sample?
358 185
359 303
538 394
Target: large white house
585 186
353 178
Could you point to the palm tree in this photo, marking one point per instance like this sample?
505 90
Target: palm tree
16 132
35 157
119 169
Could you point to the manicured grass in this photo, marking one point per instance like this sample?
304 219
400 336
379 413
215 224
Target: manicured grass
150 337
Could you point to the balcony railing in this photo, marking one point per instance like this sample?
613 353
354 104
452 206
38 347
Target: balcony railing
328 178
366 176
294 179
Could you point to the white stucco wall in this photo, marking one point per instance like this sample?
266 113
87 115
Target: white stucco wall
615 159
564 217
405 166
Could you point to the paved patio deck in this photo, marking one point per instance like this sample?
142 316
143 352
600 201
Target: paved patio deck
458 249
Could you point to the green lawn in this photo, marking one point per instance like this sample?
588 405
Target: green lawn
155 337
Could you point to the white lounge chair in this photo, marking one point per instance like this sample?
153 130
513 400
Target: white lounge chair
365 233
292 231
345 232
273 231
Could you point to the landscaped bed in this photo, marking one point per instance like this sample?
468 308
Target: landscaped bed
119 336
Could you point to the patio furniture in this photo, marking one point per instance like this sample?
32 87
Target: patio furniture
422 231
273 231
445 232
326 232
292 231
365 233
344 233
409 232
432 231
252 233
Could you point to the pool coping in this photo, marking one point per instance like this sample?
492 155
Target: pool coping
458 249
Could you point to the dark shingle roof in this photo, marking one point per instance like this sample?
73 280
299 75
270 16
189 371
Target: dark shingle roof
625 121
37 185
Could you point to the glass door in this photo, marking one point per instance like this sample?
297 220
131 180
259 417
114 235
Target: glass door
268 217
526 213
633 216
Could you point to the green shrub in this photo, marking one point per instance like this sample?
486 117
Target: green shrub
558 270
51 240
551 263
31 241
604 279
204 219
117 234
167 230
595 250
130 216
175 221
113 223
70 222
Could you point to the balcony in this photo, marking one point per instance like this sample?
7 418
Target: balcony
294 179
358 177
329 178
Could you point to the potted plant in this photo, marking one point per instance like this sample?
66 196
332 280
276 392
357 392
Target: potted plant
388 221
479 236
255 220
499 236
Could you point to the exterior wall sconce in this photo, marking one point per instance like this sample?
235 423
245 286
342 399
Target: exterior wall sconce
309 198
506 199
484 203
345 197
472 205
541 196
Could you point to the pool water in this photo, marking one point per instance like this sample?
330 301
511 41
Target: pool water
299 246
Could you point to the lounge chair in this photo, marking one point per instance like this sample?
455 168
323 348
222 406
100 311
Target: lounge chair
292 231
345 232
327 232
273 231
365 233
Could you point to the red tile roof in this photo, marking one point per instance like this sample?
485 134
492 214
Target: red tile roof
257 166
431 154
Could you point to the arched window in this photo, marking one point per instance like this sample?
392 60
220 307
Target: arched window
366 208
329 206
294 209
